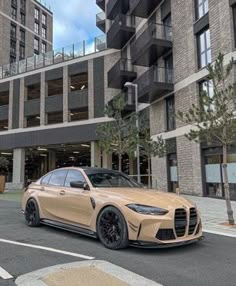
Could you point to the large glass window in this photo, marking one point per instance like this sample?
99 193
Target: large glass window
58 178
36 28
36 14
74 176
170 113
13 31
22 36
22 52
22 18
202 8
13 47
207 87
44 33
36 44
204 48
44 48
13 13
22 4
44 19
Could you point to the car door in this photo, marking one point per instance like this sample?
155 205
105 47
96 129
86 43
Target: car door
50 188
74 203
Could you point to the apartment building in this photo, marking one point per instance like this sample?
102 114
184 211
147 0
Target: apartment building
25 30
164 48
54 105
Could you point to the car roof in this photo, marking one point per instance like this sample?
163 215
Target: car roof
90 170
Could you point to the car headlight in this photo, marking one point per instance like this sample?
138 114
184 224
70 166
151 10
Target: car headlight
147 210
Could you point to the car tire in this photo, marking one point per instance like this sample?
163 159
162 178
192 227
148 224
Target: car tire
112 229
32 217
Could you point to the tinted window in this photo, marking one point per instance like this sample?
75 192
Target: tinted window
74 176
112 180
58 178
46 179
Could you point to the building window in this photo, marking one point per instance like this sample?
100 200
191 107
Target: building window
36 28
22 36
44 48
22 52
36 45
207 87
22 18
204 48
13 31
12 59
44 19
36 14
22 4
13 48
44 33
14 3
170 113
167 27
13 13
201 8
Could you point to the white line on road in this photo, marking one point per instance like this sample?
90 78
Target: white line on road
47 249
4 274
219 233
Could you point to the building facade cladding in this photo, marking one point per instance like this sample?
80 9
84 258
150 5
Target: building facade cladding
50 90
148 49
19 44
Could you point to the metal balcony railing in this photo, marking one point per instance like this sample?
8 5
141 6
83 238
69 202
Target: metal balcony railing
54 57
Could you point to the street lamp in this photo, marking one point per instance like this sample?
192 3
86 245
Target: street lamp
135 86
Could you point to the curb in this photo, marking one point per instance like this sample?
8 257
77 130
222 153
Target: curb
132 279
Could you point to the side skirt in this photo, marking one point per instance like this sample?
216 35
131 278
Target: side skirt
71 228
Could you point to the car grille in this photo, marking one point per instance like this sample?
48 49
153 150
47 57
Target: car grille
180 222
165 234
181 225
192 221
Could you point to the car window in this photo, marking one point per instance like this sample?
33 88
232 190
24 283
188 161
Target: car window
46 179
74 176
58 178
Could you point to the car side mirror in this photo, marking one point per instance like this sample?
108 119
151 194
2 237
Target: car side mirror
80 185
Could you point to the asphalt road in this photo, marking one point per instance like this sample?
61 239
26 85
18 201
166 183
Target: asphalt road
211 262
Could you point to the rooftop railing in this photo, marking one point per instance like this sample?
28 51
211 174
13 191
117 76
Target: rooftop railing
57 56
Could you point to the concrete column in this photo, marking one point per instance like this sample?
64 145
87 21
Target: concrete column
18 168
159 174
10 108
22 103
90 89
107 160
65 94
51 160
95 155
43 94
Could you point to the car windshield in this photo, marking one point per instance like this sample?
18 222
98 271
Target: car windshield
112 180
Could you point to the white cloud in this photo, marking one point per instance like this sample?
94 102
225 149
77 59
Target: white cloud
74 21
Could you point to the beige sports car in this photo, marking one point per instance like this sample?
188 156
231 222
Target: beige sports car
112 207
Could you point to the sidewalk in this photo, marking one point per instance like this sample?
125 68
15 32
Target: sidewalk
214 215
86 273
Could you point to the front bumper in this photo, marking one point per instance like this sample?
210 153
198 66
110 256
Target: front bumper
147 244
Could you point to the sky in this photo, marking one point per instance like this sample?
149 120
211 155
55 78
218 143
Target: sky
74 21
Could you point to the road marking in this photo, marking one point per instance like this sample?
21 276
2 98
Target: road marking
4 274
219 233
47 249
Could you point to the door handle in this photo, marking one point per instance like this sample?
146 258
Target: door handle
62 193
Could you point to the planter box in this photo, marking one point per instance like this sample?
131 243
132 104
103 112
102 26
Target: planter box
2 184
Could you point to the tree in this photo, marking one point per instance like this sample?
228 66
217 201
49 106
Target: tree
120 134
3 165
150 148
213 119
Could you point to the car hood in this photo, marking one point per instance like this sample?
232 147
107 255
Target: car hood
144 197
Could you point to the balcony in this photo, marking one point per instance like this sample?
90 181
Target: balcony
120 73
129 101
155 83
101 21
143 8
152 42
115 7
120 32
101 4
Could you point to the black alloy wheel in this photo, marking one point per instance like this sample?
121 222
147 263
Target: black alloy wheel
112 229
32 213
